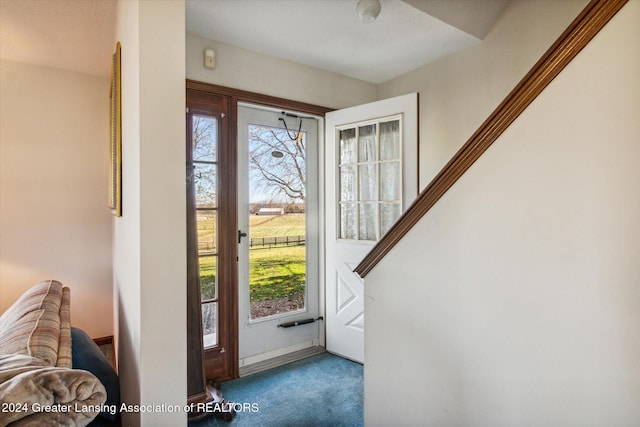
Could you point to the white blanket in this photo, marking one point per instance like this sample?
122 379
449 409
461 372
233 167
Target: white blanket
32 393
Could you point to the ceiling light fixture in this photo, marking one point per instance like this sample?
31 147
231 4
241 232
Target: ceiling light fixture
368 10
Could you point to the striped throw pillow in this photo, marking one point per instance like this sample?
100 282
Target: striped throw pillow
64 343
31 325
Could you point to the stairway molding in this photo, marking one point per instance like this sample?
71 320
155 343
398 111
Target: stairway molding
579 33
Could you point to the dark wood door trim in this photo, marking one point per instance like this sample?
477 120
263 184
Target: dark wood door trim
239 95
196 390
218 363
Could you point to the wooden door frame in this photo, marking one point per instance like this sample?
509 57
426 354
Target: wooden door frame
218 363
238 95
228 156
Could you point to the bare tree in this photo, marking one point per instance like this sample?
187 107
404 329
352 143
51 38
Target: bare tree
204 156
280 162
204 138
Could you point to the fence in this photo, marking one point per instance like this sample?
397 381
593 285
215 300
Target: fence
207 248
269 242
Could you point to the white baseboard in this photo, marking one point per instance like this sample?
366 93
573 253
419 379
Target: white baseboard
262 362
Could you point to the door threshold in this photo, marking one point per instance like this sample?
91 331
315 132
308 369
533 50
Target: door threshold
284 359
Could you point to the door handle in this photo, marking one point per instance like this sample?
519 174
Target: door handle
241 235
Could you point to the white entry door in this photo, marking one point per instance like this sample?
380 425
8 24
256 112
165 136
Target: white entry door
371 175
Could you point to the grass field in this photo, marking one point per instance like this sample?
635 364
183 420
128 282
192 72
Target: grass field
280 225
274 273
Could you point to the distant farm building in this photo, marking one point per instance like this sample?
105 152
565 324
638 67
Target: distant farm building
270 211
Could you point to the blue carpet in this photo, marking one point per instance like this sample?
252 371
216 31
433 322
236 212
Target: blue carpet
323 390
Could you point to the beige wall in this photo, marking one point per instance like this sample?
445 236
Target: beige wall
242 69
459 92
514 301
150 237
54 220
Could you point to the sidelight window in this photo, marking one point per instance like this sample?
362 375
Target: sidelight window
205 175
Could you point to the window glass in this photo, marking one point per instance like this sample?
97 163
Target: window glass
390 181
368 220
369 178
348 146
205 175
277 254
348 183
348 221
210 324
207 226
368 181
205 137
206 185
208 273
390 140
367 147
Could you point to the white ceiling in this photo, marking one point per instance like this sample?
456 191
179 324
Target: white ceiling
79 35
328 34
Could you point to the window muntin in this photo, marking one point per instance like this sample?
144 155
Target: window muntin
370 178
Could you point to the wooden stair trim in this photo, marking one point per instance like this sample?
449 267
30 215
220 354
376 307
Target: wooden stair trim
579 33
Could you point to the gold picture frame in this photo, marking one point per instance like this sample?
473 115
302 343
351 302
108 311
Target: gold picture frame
115 142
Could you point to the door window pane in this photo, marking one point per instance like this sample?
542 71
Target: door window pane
207 227
277 221
348 183
208 274
390 140
372 183
368 181
206 185
347 146
390 181
210 324
205 138
368 221
348 221
367 151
